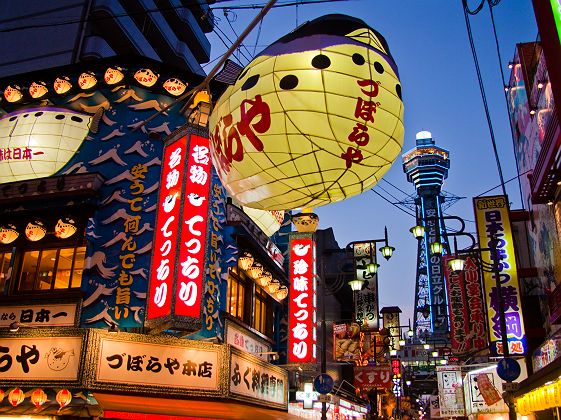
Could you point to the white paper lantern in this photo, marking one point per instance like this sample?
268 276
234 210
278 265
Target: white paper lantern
37 90
146 77
87 80
65 228
174 86
8 234
35 231
13 93
62 85
113 75
268 221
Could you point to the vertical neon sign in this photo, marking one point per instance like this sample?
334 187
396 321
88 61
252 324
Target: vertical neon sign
302 319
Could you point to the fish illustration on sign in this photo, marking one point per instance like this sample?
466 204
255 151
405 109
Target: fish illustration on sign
315 118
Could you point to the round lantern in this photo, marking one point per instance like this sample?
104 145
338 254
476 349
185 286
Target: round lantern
62 85
16 397
38 397
8 234
2 394
268 221
87 80
282 293
255 270
245 261
313 119
35 231
175 86
65 228
113 75
37 89
264 278
146 77
273 286
63 397
13 93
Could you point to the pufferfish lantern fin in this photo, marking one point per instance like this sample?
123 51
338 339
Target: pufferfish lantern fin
368 37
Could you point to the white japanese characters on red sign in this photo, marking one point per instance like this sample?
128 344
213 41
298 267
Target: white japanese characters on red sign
167 226
302 321
194 229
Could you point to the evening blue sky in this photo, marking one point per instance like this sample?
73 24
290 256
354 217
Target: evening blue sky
429 42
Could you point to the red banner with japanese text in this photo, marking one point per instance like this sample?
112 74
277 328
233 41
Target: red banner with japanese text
301 332
466 307
369 377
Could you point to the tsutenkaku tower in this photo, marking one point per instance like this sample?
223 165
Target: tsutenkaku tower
426 166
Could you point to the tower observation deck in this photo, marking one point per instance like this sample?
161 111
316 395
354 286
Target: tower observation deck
426 167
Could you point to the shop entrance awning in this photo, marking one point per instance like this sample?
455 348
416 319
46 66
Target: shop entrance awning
113 404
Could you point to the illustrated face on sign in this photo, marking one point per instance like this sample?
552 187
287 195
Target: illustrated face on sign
315 118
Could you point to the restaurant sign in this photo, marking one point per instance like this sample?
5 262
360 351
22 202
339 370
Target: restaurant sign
46 315
185 365
257 381
40 358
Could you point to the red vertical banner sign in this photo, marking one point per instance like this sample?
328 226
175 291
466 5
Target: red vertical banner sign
302 318
467 310
177 270
162 270
194 229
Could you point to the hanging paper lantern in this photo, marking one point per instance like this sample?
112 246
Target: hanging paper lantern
264 278
255 270
245 261
8 234
273 286
87 80
37 89
62 85
38 397
268 221
63 397
65 228
175 86
52 135
282 293
13 93
35 231
16 397
315 118
146 77
2 394
113 75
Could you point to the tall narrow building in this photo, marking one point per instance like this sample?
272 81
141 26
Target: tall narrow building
426 166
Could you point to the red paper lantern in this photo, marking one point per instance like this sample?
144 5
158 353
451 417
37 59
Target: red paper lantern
2 394
63 397
38 397
16 397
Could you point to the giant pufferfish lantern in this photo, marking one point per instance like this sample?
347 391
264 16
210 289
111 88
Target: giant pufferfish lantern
315 118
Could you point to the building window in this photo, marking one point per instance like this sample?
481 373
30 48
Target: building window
236 295
52 269
263 311
249 302
5 258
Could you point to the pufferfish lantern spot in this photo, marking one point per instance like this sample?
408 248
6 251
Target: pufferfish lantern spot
315 118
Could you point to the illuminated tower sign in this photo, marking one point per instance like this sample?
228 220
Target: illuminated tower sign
426 166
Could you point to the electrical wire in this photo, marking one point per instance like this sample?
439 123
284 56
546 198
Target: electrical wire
226 14
483 95
393 204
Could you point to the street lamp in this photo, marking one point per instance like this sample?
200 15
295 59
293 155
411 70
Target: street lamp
367 251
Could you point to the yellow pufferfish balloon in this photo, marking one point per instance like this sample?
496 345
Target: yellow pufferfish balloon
313 119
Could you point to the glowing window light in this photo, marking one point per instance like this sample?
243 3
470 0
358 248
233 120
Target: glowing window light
174 86
302 141
146 77
87 80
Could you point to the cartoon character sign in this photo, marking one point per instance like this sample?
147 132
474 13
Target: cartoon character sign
315 118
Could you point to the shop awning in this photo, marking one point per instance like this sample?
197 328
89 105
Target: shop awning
114 404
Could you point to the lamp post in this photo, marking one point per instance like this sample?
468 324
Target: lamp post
368 271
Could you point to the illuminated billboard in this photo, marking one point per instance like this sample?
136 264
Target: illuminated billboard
492 217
